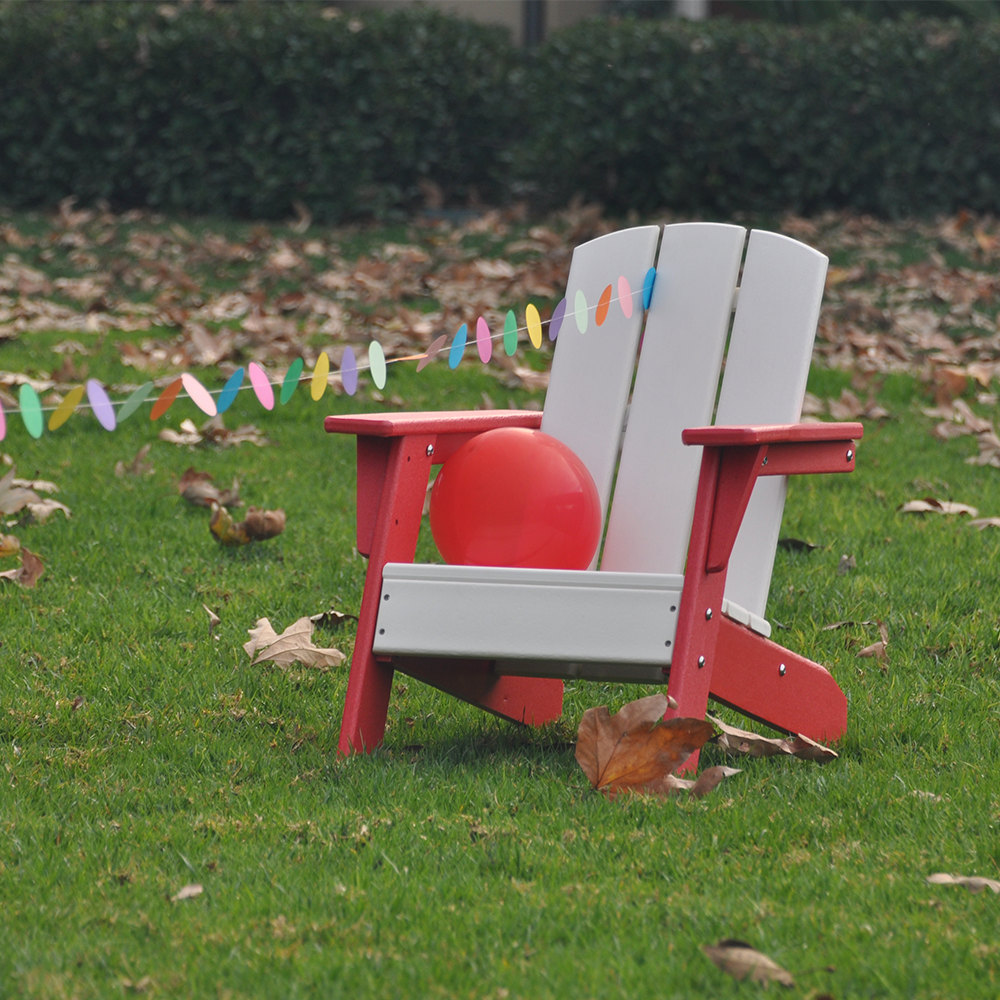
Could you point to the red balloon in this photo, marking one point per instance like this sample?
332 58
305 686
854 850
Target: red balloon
516 497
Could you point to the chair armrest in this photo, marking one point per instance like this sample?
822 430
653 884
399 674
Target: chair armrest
785 449
388 425
772 434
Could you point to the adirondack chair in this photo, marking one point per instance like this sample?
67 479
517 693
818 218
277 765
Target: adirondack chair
680 594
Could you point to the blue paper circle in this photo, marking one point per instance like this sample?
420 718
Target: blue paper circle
229 390
458 346
647 287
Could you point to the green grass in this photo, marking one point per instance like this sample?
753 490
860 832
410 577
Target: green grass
469 858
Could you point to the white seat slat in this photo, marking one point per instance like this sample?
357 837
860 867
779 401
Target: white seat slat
506 613
767 366
592 372
675 387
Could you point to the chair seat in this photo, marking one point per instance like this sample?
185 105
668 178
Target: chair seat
535 622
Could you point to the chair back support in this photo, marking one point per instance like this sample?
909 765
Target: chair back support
675 387
766 370
592 372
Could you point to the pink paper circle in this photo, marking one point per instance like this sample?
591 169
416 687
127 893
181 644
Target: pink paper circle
101 405
200 396
261 386
484 343
625 296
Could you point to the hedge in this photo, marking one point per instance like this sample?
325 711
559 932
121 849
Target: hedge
243 108
890 118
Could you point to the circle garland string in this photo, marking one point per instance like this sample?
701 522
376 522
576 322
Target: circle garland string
32 411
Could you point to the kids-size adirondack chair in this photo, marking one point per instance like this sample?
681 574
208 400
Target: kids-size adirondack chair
680 594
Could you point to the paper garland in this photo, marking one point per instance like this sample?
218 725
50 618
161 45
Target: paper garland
104 409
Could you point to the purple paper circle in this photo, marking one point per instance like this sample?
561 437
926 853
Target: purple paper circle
101 405
349 371
558 315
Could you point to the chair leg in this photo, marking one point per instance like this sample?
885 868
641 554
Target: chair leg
399 497
368 689
780 688
532 701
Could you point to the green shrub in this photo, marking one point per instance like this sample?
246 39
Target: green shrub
241 109
891 118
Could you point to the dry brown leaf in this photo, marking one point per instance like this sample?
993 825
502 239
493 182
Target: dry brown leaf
985 522
633 750
263 524
974 883
138 466
213 618
743 742
930 505
187 892
331 618
30 570
294 645
741 961
9 545
198 488
259 525
877 650
138 985
14 497
846 564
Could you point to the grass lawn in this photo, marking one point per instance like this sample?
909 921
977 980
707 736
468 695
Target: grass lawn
469 858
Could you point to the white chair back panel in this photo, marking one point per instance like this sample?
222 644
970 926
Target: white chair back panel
592 372
675 387
765 380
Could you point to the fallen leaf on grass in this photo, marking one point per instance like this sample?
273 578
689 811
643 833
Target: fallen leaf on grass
930 505
187 892
877 650
974 883
214 431
9 545
14 497
985 522
199 488
742 961
332 618
743 742
27 574
846 564
635 750
294 645
258 526
707 781
213 618
139 985
138 466
44 509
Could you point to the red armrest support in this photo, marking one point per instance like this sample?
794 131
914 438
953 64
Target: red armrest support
440 435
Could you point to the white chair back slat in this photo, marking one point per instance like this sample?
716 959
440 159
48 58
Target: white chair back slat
767 365
592 371
675 387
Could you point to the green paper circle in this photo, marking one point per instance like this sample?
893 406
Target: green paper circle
134 401
31 410
291 382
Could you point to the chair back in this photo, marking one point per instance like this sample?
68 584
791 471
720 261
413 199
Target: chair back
677 382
